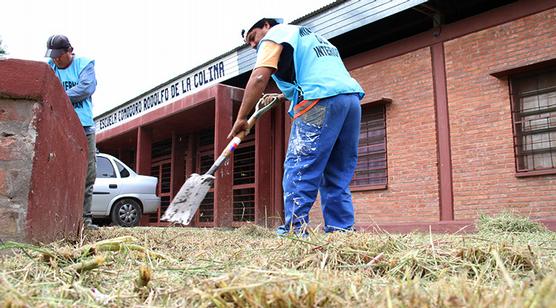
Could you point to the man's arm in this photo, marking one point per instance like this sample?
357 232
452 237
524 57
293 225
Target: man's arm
86 86
253 91
268 56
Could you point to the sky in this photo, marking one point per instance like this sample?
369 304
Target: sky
137 44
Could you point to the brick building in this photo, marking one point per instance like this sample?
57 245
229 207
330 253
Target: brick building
459 118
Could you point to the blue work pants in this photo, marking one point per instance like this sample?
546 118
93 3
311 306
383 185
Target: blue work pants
322 156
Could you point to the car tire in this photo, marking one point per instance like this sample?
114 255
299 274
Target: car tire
126 213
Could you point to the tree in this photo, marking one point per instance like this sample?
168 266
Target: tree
2 50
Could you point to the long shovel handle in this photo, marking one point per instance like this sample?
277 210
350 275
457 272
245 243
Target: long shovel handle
264 104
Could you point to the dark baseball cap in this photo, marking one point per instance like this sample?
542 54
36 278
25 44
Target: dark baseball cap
57 45
252 24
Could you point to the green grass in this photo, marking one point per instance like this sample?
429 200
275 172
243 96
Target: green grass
251 267
508 222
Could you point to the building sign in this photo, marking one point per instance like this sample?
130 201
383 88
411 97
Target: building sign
217 71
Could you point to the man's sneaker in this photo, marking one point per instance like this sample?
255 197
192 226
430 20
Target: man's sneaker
88 224
284 231
91 227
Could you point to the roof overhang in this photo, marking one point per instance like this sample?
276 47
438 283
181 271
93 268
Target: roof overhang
330 21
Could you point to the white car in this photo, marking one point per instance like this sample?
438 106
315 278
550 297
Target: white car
122 195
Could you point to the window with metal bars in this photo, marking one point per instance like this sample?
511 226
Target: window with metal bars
161 168
206 209
164 203
372 169
155 171
244 181
165 177
162 171
534 121
244 163
205 156
244 204
206 159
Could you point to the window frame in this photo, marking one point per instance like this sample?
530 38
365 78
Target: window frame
515 96
382 102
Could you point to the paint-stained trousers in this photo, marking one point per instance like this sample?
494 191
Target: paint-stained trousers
321 157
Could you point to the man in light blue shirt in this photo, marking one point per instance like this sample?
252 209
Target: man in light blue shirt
77 75
326 112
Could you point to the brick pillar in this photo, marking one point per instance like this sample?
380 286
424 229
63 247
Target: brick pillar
282 135
223 202
143 158
443 133
264 144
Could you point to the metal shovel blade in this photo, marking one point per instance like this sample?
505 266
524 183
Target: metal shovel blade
188 199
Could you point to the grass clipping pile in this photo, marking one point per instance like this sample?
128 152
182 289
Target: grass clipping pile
508 262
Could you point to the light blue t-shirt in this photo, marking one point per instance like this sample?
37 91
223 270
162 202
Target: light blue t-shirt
80 95
319 71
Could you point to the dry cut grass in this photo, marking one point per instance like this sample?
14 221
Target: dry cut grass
251 267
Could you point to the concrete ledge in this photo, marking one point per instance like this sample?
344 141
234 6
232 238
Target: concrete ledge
42 156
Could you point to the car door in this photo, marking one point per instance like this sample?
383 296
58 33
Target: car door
106 187
127 184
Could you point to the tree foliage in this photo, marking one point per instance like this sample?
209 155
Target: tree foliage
2 48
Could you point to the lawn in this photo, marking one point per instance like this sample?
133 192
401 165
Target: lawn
509 262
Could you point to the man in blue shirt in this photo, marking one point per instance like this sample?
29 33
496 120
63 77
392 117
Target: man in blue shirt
326 111
77 75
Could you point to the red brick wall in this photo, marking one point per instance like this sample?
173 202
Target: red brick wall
412 193
480 119
481 135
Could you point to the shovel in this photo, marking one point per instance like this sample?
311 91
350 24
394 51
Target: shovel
193 191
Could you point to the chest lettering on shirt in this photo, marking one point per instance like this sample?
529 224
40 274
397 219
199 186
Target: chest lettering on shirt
68 84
